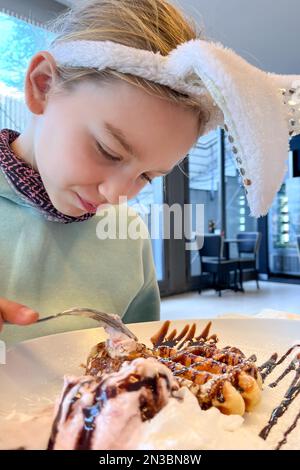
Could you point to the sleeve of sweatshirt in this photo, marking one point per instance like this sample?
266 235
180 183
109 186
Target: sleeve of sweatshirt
146 304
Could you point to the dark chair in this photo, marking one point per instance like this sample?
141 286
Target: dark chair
248 248
213 262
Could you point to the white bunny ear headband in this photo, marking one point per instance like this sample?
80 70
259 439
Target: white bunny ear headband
258 110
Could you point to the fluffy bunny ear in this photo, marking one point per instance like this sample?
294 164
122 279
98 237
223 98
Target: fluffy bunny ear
261 111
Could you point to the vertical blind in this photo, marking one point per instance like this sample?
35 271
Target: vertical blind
13 113
20 37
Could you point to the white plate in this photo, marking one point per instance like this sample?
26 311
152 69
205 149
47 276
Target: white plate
32 376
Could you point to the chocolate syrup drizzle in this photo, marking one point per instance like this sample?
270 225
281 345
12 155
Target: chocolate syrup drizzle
287 432
292 392
271 363
57 418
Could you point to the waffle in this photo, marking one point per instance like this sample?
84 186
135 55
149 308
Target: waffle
223 378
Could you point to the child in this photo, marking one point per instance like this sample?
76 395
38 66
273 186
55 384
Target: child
93 136
123 94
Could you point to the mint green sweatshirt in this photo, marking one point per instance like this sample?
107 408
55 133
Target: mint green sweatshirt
50 266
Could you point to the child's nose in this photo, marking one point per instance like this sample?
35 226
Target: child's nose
115 188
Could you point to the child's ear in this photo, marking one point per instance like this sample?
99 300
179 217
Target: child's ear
40 76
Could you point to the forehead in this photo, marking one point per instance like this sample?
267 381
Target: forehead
150 123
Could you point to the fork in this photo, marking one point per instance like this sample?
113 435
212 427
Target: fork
105 319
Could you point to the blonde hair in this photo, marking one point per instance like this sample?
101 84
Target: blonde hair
153 25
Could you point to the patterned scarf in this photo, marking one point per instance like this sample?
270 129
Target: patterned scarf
27 182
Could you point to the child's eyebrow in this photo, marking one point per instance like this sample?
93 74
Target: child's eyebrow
120 137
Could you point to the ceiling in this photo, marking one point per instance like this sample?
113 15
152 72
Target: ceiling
67 2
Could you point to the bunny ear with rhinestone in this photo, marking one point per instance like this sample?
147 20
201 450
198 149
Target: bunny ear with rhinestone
259 111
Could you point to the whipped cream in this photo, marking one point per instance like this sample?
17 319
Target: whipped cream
21 430
198 429
119 344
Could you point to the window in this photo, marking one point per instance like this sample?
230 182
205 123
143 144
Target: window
238 218
151 197
19 41
284 226
204 186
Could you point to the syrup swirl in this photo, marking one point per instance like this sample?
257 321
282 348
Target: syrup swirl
292 392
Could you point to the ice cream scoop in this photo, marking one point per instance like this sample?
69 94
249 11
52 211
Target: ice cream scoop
108 413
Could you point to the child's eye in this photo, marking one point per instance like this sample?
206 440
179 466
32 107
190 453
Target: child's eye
106 154
147 178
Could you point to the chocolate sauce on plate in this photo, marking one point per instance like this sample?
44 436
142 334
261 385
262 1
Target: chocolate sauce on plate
292 392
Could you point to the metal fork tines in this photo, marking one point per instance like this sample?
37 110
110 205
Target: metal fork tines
105 319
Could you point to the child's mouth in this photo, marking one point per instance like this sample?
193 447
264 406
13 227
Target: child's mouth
87 206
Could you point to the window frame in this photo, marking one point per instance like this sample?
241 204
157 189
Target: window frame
33 11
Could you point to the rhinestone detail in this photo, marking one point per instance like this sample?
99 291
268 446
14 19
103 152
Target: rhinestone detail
246 181
291 99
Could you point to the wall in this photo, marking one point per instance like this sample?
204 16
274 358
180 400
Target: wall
264 32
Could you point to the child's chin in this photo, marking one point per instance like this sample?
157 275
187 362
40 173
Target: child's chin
71 211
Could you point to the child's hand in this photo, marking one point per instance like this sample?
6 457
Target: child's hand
13 312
